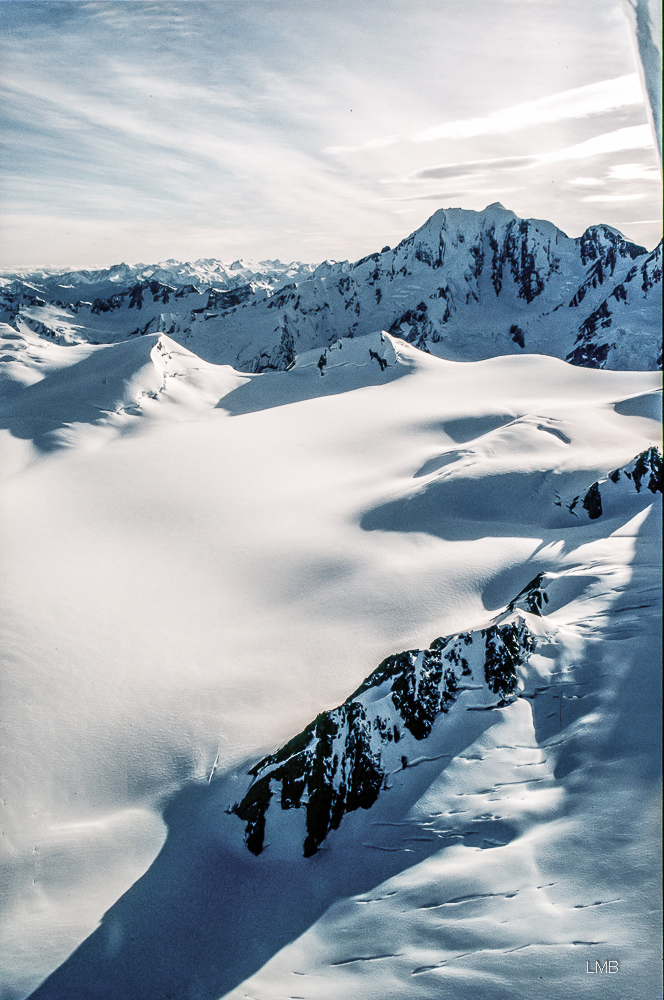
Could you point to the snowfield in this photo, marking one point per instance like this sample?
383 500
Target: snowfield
204 570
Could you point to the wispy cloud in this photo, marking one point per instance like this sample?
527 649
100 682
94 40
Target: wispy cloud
154 129
482 192
632 137
621 198
633 172
580 102
586 182
470 168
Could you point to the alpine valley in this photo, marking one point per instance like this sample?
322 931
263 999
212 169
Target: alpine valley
331 623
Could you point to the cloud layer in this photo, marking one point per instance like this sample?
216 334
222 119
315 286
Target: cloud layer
141 131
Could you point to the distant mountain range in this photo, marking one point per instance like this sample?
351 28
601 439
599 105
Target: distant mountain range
68 285
466 286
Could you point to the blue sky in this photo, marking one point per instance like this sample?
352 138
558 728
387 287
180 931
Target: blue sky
311 129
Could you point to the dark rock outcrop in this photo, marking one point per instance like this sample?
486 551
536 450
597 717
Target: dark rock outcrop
341 761
643 473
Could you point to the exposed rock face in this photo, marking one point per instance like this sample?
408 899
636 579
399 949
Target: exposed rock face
15 296
616 319
469 285
533 597
592 502
643 473
465 286
645 470
341 762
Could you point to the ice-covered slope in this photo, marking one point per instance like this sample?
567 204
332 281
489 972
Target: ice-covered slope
465 286
199 563
90 388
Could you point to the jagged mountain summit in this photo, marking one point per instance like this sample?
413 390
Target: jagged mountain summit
465 286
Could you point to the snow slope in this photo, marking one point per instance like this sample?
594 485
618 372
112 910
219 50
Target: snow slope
465 286
199 563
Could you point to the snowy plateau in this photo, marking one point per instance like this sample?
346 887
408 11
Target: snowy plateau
331 623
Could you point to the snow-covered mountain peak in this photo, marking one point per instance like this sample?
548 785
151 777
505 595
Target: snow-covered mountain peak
464 286
377 349
87 393
464 219
71 286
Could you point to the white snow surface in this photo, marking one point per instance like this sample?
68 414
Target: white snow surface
197 561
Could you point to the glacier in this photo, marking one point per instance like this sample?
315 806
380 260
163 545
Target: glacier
331 623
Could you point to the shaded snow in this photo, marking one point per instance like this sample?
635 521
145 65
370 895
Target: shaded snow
199 561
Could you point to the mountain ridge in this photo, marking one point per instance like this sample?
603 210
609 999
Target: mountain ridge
464 286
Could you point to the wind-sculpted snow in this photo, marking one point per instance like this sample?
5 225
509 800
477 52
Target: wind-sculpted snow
342 761
465 286
71 390
200 562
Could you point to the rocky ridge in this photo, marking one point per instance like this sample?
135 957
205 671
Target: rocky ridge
464 286
643 473
342 760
